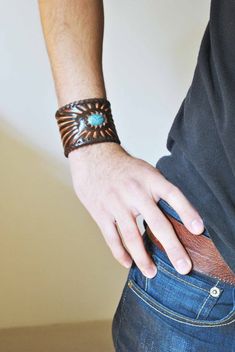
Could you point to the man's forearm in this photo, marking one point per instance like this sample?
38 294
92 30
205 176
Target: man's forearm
73 31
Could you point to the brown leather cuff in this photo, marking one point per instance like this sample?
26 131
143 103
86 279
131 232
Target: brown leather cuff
85 122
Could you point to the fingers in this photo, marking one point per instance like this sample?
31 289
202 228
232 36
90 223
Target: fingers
165 233
172 194
115 244
133 241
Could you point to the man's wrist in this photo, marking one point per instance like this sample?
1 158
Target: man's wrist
84 122
94 150
75 92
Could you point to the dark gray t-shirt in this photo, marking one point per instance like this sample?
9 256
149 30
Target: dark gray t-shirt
202 137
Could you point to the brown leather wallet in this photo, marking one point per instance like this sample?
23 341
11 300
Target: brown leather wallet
204 255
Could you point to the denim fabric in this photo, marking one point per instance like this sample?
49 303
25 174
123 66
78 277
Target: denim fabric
173 312
165 207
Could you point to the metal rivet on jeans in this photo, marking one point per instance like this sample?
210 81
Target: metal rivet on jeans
215 291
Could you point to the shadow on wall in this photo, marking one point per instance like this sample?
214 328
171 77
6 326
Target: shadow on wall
54 263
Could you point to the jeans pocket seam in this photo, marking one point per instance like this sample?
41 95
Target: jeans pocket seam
205 301
174 316
180 279
203 305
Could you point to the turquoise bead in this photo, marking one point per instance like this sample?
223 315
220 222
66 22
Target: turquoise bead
96 119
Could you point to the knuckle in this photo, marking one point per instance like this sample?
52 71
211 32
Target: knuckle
171 192
174 250
130 234
132 185
156 223
111 192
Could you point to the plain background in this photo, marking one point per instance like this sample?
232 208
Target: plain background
54 263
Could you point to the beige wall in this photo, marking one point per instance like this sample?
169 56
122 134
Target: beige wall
54 264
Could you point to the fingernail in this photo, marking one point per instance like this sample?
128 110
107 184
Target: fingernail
151 272
183 265
197 224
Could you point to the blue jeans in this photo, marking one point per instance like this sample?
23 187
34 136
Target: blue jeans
173 312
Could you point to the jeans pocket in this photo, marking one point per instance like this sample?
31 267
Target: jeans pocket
194 299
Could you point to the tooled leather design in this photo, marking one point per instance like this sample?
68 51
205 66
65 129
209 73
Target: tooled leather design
76 126
204 255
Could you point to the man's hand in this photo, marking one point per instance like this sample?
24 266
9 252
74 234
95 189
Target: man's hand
110 183
113 185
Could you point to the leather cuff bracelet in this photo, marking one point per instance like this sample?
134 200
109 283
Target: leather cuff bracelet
85 122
